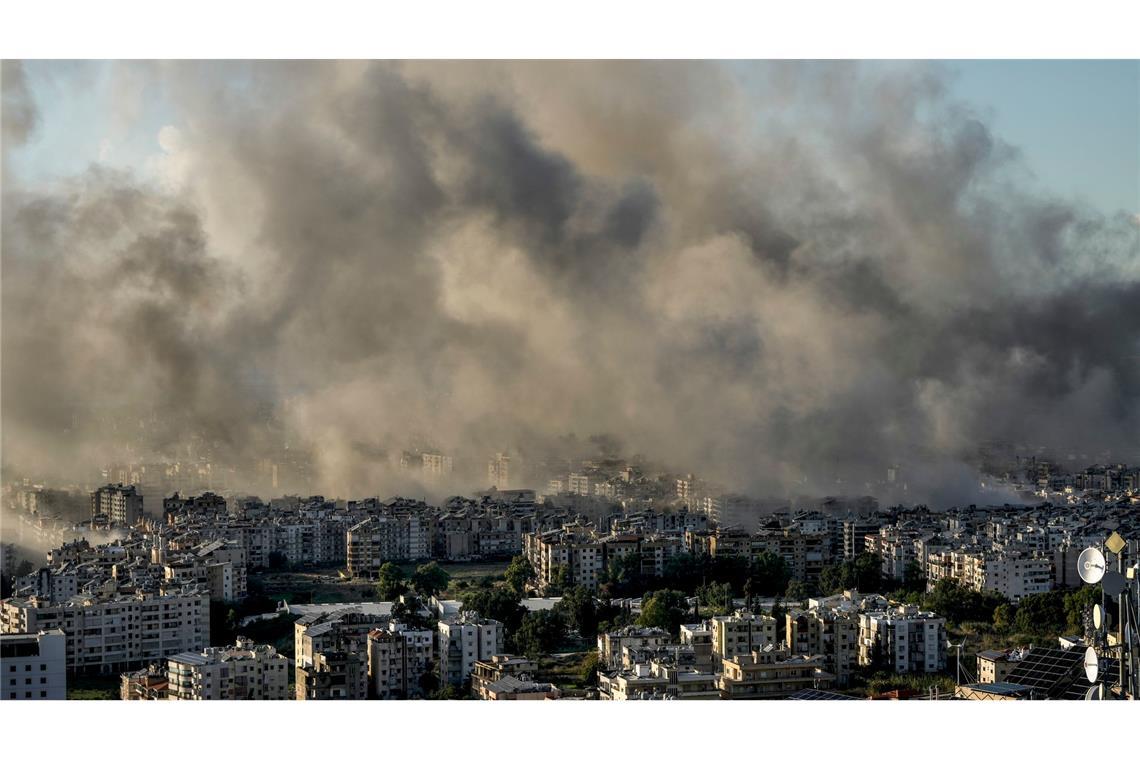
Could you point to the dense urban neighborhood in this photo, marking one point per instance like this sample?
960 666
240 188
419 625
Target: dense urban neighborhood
615 584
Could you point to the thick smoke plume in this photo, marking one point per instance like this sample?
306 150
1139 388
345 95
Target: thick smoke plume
780 276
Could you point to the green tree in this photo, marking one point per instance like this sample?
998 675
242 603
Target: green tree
769 573
623 574
914 579
1041 614
959 604
799 591
498 603
1003 618
278 561
715 598
1077 603
560 580
541 633
579 608
868 572
391 583
412 614
430 579
518 574
588 674
665 609
779 611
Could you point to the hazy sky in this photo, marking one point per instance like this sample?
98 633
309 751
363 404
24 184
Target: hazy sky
1077 122
780 275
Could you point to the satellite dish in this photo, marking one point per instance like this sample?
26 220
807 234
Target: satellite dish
1092 665
1095 693
1098 617
1090 565
1113 583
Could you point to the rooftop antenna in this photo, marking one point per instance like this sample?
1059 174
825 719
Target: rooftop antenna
1125 586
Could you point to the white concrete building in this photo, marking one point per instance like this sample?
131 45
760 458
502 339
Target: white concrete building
34 665
903 639
243 671
741 633
109 634
465 641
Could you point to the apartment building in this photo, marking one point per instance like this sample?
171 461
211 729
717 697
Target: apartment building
242 672
855 532
658 679
34 665
741 632
902 639
463 642
385 538
499 472
1013 575
436 465
339 628
698 637
772 674
828 633
109 634
510 688
117 504
333 674
398 658
611 643
219 566
500 666
994 666
570 551
178 508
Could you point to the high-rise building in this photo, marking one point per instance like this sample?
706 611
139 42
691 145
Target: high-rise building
119 504
108 634
499 472
465 641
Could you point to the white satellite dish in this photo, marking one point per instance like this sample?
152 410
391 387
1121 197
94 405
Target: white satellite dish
1092 665
1095 692
1090 565
1098 617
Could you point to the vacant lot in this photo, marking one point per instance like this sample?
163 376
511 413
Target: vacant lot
92 687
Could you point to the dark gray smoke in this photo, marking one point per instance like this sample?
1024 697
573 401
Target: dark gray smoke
782 276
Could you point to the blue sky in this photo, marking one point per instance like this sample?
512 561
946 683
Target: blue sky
1077 123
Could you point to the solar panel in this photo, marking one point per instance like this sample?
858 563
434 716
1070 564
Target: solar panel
817 694
1049 672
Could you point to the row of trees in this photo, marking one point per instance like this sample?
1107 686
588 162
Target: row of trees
764 575
1047 614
